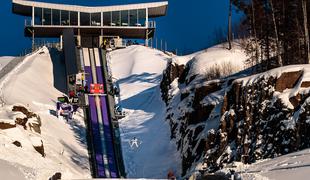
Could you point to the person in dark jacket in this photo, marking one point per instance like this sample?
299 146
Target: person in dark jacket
171 175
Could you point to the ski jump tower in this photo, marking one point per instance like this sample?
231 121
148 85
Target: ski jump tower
83 32
90 24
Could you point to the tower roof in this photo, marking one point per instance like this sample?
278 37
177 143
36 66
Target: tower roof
155 9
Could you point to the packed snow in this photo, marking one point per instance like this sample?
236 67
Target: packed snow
138 71
218 56
31 84
291 166
4 60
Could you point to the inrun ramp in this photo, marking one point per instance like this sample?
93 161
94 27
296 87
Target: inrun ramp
105 164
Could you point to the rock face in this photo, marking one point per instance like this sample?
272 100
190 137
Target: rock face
23 110
217 122
256 125
38 145
172 72
17 143
6 124
56 176
32 121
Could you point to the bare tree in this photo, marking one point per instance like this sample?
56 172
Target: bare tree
304 9
254 33
278 51
229 25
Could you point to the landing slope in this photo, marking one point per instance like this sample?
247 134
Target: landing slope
139 71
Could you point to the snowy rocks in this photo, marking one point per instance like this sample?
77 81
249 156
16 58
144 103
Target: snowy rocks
7 124
38 145
56 176
34 124
22 122
305 84
288 80
23 110
29 121
172 72
257 123
237 118
17 143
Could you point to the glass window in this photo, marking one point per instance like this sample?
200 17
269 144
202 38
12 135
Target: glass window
116 18
65 18
73 18
56 17
133 16
96 19
142 17
85 19
107 18
124 15
37 16
47 17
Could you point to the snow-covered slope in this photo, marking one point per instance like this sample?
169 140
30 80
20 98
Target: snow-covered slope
203 62
31 84
4 60
291 166
139 72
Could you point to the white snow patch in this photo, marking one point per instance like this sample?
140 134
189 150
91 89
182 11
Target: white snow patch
139 72
31 84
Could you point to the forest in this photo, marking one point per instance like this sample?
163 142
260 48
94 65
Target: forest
277 32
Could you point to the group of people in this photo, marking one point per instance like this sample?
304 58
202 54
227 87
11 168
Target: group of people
65 109
80 90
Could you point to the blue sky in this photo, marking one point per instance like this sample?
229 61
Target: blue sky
189 25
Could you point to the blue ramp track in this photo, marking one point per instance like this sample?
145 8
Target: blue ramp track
96 137
106 121
96 140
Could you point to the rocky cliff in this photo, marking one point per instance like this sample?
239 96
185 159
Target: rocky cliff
217 121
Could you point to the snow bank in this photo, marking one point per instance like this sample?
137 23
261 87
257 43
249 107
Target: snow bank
11 171
31 84
137 68
287 167
139 71
4 60
201 62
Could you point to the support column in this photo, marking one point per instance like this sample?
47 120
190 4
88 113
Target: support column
79 43
101 42
147 17
61 42
147 38
32 20
79 19
147 27
33 48
101 20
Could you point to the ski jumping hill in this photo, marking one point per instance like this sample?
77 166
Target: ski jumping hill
186 120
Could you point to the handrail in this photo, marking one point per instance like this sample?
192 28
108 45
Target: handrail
28 22
151 24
